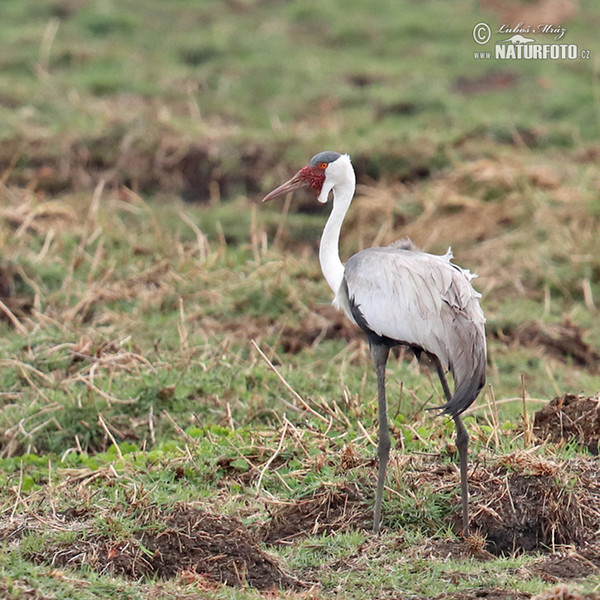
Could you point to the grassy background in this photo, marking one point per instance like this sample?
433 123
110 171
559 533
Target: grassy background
127 358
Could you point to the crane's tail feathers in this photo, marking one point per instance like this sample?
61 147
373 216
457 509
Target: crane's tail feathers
464 394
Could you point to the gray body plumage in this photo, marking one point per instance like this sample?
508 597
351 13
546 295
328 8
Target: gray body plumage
400 295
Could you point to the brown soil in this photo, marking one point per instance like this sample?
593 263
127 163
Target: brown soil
527 503
327 510
215 547
571 564
563 341
487 593
218 546
560 592
570 418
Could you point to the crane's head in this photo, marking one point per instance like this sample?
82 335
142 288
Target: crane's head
323 173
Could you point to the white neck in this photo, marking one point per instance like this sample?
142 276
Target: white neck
329 249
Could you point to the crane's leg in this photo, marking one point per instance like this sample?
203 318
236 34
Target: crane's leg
462 444
379 353
442 376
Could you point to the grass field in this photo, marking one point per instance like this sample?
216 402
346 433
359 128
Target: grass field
182 412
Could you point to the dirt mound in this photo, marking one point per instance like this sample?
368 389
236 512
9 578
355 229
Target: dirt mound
528 503
487 594
218 546
327 510
570 417
570 564
563 341
215 547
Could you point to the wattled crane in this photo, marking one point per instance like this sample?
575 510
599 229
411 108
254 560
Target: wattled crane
401 296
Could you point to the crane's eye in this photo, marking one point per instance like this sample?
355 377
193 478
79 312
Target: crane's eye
323 165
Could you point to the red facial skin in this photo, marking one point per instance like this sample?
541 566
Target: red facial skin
306 177
315 177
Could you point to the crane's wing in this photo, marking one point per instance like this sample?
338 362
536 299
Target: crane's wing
420 300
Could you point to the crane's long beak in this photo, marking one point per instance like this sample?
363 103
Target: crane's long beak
295 183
